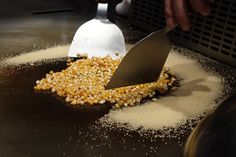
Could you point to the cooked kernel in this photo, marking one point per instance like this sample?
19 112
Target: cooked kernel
84 81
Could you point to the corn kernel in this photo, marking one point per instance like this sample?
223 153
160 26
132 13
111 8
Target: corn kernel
83 82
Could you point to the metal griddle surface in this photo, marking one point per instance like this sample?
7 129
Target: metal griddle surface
36 124
39 124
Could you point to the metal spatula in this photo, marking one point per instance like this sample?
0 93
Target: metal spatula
144 62
98 37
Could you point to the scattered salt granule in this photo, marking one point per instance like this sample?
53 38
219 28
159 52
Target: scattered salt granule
192 99
49 54
39 55
195 96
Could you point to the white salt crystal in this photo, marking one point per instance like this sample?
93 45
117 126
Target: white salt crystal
194 97
39 55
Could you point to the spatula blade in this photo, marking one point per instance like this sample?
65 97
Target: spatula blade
143 63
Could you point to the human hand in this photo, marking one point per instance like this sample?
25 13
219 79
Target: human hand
176 11
123 7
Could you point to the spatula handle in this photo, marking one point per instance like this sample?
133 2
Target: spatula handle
102 10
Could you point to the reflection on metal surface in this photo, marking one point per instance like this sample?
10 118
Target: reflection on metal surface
216 134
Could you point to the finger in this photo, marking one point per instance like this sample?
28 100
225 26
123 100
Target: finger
180 15
201 6
168 14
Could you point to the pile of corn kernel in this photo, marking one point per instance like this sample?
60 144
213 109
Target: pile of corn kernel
83 83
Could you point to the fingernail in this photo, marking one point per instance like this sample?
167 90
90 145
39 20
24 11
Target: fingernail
186 28
206 12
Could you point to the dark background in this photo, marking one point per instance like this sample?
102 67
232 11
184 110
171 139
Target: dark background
23 7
